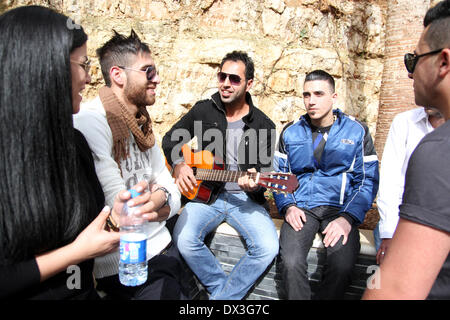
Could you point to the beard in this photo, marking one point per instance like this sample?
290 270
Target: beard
234 99
137 95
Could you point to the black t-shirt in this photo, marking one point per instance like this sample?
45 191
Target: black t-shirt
426 199
319 145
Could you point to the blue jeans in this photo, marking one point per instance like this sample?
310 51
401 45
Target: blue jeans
252 222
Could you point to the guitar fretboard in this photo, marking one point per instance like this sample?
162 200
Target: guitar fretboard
221 175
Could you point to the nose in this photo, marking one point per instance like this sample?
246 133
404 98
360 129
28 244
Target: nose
156 79
88 78
227 82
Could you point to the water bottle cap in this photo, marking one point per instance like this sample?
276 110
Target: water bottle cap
134 193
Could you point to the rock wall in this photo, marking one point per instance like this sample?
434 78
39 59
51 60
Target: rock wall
286 39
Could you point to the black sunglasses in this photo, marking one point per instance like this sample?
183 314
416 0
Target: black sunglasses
235 80
412 58
150 71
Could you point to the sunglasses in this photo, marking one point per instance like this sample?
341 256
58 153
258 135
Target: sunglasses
150 72
411 59
85 65
235 80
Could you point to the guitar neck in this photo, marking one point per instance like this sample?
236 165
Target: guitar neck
221 175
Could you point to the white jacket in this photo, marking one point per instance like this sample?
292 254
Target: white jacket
407 130
149 165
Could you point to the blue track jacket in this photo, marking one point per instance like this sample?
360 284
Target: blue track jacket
347 176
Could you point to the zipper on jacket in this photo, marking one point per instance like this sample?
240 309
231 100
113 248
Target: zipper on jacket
309 191
214 124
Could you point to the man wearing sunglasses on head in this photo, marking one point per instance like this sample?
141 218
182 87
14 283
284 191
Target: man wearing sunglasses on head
417 264
244 137
118 128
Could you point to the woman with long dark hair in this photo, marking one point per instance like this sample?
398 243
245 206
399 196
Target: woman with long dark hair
50 196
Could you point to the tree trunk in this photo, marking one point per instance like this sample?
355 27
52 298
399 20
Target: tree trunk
404 24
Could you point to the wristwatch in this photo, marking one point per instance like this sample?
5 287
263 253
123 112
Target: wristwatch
167 195
112 224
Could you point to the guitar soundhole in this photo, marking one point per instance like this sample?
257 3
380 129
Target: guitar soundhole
194 169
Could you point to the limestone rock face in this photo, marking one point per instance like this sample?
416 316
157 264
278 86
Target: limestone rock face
285 38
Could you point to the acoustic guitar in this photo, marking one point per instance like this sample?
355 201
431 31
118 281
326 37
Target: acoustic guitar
206 168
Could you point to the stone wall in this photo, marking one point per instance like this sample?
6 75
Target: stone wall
285 38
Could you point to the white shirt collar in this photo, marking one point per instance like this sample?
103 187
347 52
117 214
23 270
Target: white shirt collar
420 115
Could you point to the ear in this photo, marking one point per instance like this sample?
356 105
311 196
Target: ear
444 62
249 85
334 97
117 76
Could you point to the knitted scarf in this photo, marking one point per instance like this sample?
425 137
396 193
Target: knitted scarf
121 120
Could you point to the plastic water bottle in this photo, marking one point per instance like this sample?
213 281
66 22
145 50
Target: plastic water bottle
133 246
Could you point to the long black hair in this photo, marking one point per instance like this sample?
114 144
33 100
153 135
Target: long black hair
42 202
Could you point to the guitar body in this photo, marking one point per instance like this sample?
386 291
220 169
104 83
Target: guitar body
201 160
210 174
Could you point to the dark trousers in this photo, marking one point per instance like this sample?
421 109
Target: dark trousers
340 259
166 280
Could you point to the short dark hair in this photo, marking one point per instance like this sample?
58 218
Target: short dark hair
118 51
241 56
321 75
438 20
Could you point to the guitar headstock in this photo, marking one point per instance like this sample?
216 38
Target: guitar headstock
279 182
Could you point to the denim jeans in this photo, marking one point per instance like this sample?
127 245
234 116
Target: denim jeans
252 222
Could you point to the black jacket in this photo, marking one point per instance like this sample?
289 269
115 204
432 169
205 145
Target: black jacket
207 121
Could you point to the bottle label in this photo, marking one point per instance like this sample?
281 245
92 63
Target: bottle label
133 248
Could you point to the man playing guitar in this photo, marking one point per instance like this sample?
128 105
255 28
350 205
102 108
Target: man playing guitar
244 137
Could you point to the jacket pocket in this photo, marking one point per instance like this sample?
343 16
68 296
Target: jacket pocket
300 156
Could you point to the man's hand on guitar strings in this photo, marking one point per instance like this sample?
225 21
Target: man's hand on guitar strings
247 183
